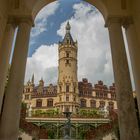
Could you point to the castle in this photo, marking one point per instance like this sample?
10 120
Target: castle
69 94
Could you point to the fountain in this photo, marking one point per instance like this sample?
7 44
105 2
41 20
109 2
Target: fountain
67 126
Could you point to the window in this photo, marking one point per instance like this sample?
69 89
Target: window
74 89
93 103
74 98
50 102
67 88
83 103
113 96
111 105
28 90
67 61
101 95
67 54
60 98
39 103
60 88
27 97
102 104
97 94
105 95
67 109
67 98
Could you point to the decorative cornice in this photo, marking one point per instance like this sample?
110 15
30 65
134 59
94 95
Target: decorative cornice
68 58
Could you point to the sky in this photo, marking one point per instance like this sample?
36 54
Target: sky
87 27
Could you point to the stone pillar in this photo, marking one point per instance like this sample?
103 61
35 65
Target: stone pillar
3 21
128 123
9 125
134 50
5 52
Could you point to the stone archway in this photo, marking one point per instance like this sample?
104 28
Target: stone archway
26 13
98 4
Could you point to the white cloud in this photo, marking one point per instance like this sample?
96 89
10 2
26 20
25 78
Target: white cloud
42 62
94 57
42 17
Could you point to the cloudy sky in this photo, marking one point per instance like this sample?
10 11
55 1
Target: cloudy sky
87 27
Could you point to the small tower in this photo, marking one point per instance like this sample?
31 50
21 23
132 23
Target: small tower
40 86
41 82
32 79
67 77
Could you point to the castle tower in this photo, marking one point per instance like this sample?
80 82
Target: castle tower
67 78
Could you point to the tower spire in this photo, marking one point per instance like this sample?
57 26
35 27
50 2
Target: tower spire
68 38
68 27
32 79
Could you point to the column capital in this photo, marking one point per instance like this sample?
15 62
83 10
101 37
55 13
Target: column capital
18 20
127 21
113 19
124 21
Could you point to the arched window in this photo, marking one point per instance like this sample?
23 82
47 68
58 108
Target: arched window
93 103
50 102
39 103
83 103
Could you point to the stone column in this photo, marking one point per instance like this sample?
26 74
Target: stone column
128 123
134 50
5 52
3 21
9 125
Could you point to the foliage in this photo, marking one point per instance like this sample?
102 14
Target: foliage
51 134
90 113
47 113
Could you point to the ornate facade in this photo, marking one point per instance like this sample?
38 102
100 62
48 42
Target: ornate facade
69 94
